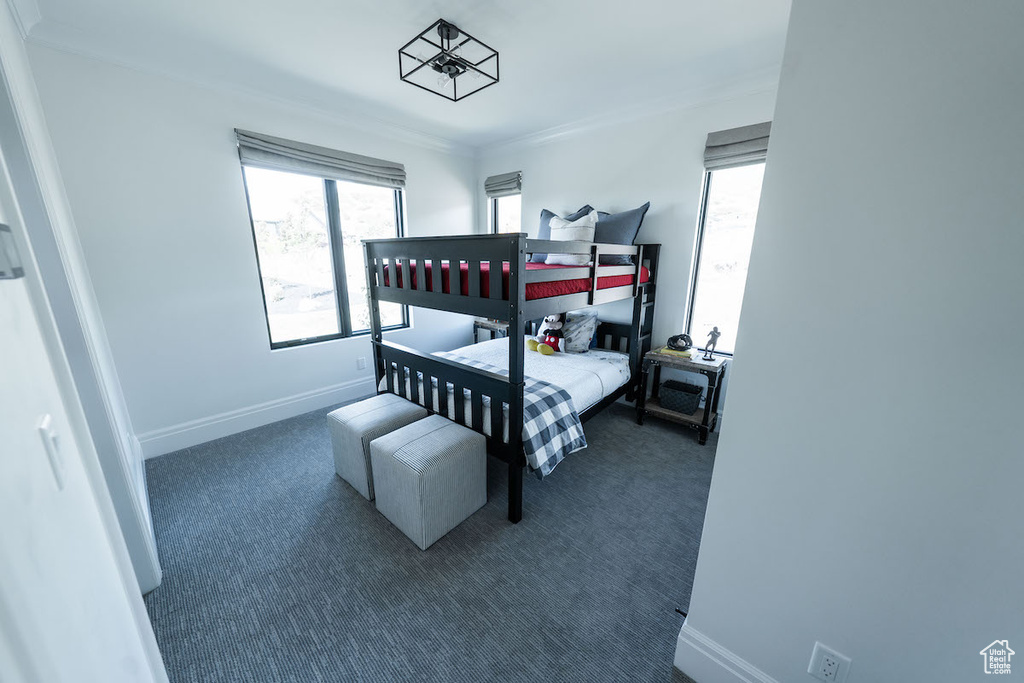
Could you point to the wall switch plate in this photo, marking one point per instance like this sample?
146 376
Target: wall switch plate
828 665
52 447
361 363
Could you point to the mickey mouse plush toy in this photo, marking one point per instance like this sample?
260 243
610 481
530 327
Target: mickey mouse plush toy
549 338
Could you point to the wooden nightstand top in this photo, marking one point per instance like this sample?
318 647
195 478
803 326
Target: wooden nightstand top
696 363
487 324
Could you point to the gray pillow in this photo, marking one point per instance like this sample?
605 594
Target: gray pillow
544 233
579 330
619 228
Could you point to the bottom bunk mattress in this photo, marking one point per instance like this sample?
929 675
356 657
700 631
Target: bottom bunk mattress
558 388
586 377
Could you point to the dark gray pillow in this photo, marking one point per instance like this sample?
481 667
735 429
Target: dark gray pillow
619 228
544 233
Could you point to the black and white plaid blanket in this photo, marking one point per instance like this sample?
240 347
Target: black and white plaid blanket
551 428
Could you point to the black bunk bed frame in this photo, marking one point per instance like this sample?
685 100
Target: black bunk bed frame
408 371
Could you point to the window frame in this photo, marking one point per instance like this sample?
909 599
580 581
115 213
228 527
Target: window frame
336 243
698 250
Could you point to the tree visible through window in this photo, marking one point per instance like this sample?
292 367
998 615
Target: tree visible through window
367 212
308 234
724 239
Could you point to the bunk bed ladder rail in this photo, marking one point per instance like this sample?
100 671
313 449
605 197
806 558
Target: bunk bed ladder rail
643 314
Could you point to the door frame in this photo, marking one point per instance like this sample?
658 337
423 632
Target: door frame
49 227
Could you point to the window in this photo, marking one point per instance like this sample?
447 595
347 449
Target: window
308 233
506 214
724 237
505 202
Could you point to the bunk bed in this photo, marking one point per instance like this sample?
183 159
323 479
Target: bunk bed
490 276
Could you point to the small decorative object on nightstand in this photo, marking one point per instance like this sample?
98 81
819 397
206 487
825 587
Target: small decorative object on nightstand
680 342
704 419
713 335
497 328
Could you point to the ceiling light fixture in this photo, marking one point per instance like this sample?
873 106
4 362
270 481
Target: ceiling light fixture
448 62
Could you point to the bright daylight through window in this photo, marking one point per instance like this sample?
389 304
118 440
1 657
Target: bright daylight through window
507 214
723 253
308 234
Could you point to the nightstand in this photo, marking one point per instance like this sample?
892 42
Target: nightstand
705 419
495 327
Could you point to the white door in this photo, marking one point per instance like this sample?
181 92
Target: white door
69 605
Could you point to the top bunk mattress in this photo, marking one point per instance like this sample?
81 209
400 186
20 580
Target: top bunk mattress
534 290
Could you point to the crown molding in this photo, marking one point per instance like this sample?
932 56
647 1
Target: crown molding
351 117
28 18
26 15
763 81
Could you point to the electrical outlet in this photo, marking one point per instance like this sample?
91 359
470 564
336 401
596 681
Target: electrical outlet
360 363
828 665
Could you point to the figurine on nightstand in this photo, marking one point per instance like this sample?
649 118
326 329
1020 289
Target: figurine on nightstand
714 334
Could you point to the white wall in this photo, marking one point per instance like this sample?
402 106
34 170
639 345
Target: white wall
51 227
70 607
620 166
153 178
867 486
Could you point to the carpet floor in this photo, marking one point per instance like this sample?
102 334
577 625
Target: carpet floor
277 570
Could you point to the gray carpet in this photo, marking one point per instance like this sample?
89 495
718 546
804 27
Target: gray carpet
276 570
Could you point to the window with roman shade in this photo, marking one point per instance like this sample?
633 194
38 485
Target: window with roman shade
310 207
504 202
734 162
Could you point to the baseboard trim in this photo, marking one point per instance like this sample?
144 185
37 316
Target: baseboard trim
705 661
174 438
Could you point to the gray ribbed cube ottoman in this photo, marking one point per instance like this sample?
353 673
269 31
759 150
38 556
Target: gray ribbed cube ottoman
429 477
354 426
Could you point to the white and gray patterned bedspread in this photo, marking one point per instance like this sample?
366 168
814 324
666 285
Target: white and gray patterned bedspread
551 426
584 378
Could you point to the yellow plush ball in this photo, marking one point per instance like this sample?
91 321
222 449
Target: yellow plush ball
545 350
532 344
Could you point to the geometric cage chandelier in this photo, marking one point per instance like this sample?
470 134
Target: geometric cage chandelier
448 62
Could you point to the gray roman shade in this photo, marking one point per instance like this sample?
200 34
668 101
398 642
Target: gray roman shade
737 146
278 154
504 185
